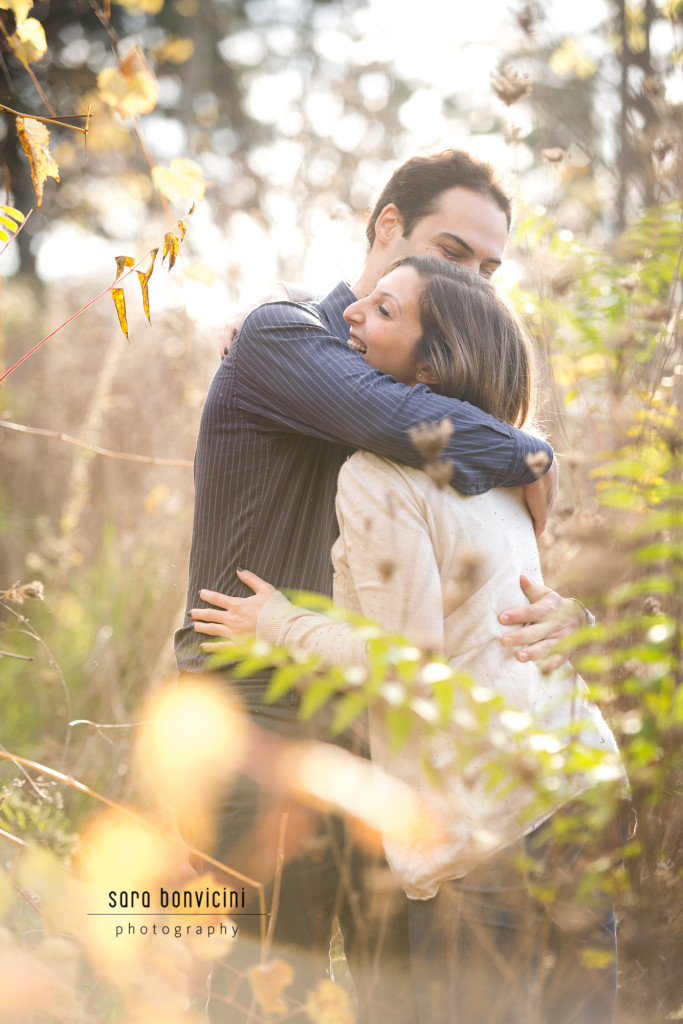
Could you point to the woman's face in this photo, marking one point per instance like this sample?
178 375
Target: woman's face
385 326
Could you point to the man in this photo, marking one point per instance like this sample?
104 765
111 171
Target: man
284 410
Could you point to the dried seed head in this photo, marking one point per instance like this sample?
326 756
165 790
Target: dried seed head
386 570
652 606
629 284
554 155
653 87
661 147
510 85
439 472
34 590
430 439
537 462
526 19
18 592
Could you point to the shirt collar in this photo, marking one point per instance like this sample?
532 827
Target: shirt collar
333 306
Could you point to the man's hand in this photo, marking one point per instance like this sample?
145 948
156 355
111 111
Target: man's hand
234 617
540 497
278 293
545 620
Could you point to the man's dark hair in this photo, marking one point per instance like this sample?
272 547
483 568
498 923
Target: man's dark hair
416 185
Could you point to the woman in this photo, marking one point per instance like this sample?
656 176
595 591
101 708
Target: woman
423 561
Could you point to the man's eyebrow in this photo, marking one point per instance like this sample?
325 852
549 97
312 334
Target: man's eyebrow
448 236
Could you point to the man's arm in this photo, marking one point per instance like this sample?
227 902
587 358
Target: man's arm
293 374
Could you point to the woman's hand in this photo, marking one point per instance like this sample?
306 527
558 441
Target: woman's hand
234 617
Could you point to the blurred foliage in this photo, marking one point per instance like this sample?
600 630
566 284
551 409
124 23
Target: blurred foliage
282 112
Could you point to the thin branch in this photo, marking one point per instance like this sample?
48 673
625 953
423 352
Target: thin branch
81 786
53 120
115 283
124 456
40 90
19 657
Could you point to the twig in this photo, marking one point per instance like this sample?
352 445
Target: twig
19 657
277 885
124 456
53 120
81 786
30 631
115 283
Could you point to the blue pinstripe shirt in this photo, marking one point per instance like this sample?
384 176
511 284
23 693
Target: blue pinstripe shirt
283 412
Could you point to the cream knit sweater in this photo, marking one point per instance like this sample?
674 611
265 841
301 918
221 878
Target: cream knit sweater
399 561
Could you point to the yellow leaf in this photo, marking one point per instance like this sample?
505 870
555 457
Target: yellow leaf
35 142
142 6
329 1003
182 180
268 982
570 59
201 274
28 43
171 247
144 276
173 50
19 8
131 88
182 228
121 263
120 303
13 213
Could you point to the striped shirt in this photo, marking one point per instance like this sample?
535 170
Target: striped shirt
284 410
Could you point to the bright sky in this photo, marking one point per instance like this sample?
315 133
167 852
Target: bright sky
451 47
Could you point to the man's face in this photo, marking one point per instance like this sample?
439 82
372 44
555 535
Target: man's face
466 228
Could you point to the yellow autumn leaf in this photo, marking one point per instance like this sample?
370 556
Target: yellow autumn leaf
35 142
130 88
173 50
120 303
19 8
329 1003
182 180
28 43
268 982
117 293
171 247
200 273
121 263
144 276
570 59
141 6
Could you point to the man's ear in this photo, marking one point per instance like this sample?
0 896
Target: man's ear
388 223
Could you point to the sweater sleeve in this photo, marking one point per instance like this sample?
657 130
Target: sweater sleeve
296 629
389 559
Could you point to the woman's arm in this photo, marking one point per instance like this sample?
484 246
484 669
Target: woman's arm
388 566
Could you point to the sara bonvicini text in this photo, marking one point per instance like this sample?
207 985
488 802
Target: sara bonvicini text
185 899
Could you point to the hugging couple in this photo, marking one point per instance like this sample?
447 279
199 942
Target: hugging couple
305 474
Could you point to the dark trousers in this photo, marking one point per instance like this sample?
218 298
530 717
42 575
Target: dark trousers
324 874
526 938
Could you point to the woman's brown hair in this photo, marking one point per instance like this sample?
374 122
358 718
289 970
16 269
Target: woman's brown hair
475 346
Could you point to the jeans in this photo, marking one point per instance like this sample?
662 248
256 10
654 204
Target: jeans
519 940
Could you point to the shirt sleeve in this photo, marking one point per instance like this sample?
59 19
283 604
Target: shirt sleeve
390 559
294 375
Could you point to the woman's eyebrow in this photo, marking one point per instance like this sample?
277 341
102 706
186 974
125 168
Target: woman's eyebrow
390 295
